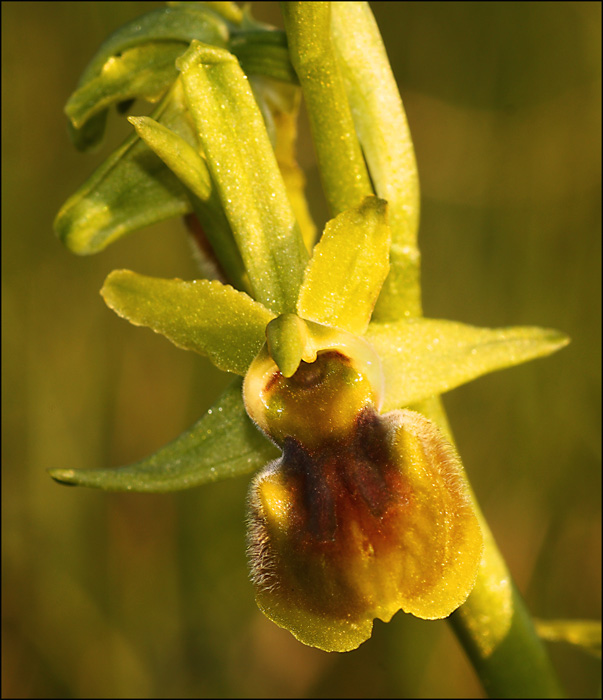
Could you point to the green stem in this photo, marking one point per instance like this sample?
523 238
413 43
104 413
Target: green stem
345 178
518 665
494 625
384 135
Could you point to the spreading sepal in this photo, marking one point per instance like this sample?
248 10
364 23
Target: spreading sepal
223 443
205 316
425 357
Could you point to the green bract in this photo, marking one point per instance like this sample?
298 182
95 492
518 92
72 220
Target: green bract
367 510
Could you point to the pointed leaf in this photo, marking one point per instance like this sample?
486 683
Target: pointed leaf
144 72
244 168
130 190
348 266
206 316
383 132
265 53
167 24
222 444
426 357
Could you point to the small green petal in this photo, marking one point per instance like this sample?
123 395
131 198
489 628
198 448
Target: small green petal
426 357
208 317
190 168
223 443
349 264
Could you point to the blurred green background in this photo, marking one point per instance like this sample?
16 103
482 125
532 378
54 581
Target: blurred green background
147 596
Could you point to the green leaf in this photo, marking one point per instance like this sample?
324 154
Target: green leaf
426 357
168 24
222 444
208 317
130 190
144 72
348 266
244 168
581 633
383 132
264 53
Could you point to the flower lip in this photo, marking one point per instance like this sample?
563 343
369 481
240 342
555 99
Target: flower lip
362 526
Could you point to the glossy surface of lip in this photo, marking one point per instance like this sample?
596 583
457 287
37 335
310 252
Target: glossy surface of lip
338 375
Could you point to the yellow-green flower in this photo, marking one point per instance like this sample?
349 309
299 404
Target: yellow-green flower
361 507
364 514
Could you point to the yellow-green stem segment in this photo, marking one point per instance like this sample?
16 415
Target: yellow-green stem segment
494 625
343 170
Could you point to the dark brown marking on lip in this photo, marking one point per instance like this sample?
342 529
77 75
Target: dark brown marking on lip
345 480
312 489
375 521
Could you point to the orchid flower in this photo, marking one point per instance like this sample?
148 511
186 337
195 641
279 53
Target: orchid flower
359 506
